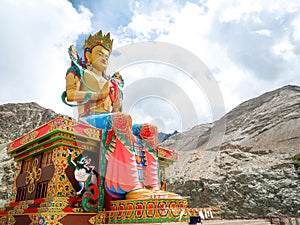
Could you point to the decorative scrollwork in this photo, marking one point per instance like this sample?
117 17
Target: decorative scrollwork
90 196
29 137
33 176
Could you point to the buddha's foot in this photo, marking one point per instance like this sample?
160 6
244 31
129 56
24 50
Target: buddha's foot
149 194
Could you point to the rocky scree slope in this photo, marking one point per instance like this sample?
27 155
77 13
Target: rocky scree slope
252 171
16 120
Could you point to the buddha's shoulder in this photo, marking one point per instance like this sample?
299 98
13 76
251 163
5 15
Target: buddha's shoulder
74 70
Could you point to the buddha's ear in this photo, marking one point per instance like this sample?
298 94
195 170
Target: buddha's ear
88 56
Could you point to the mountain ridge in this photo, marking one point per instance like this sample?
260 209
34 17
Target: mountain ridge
252 166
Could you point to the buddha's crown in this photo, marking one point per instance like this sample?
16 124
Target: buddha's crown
98 39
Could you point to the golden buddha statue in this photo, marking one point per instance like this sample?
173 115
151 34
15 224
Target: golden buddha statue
99 99
88 84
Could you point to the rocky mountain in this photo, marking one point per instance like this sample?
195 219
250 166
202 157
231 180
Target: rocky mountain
16 120
252 170
244 162
163 136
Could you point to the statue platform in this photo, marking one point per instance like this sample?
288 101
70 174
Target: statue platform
45 189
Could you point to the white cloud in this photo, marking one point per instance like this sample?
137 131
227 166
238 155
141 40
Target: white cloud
34 42
283 49
153 110
247 43
264 32
171 87
254 37
296 29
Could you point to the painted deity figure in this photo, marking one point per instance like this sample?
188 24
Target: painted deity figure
82 170
129 152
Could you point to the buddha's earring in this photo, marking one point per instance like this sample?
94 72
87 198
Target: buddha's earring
89 66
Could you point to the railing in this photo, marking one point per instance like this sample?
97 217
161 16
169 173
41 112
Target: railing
276 220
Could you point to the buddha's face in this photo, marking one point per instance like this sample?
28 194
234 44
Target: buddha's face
99 58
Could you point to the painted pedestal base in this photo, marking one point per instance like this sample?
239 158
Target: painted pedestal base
147 211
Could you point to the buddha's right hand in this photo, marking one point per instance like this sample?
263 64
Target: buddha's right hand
105 90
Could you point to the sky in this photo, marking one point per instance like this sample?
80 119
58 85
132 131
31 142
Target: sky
184 62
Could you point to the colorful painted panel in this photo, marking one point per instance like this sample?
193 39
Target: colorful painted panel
154 210
56 140
59 124
166 157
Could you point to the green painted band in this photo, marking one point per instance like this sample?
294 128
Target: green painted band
87 98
